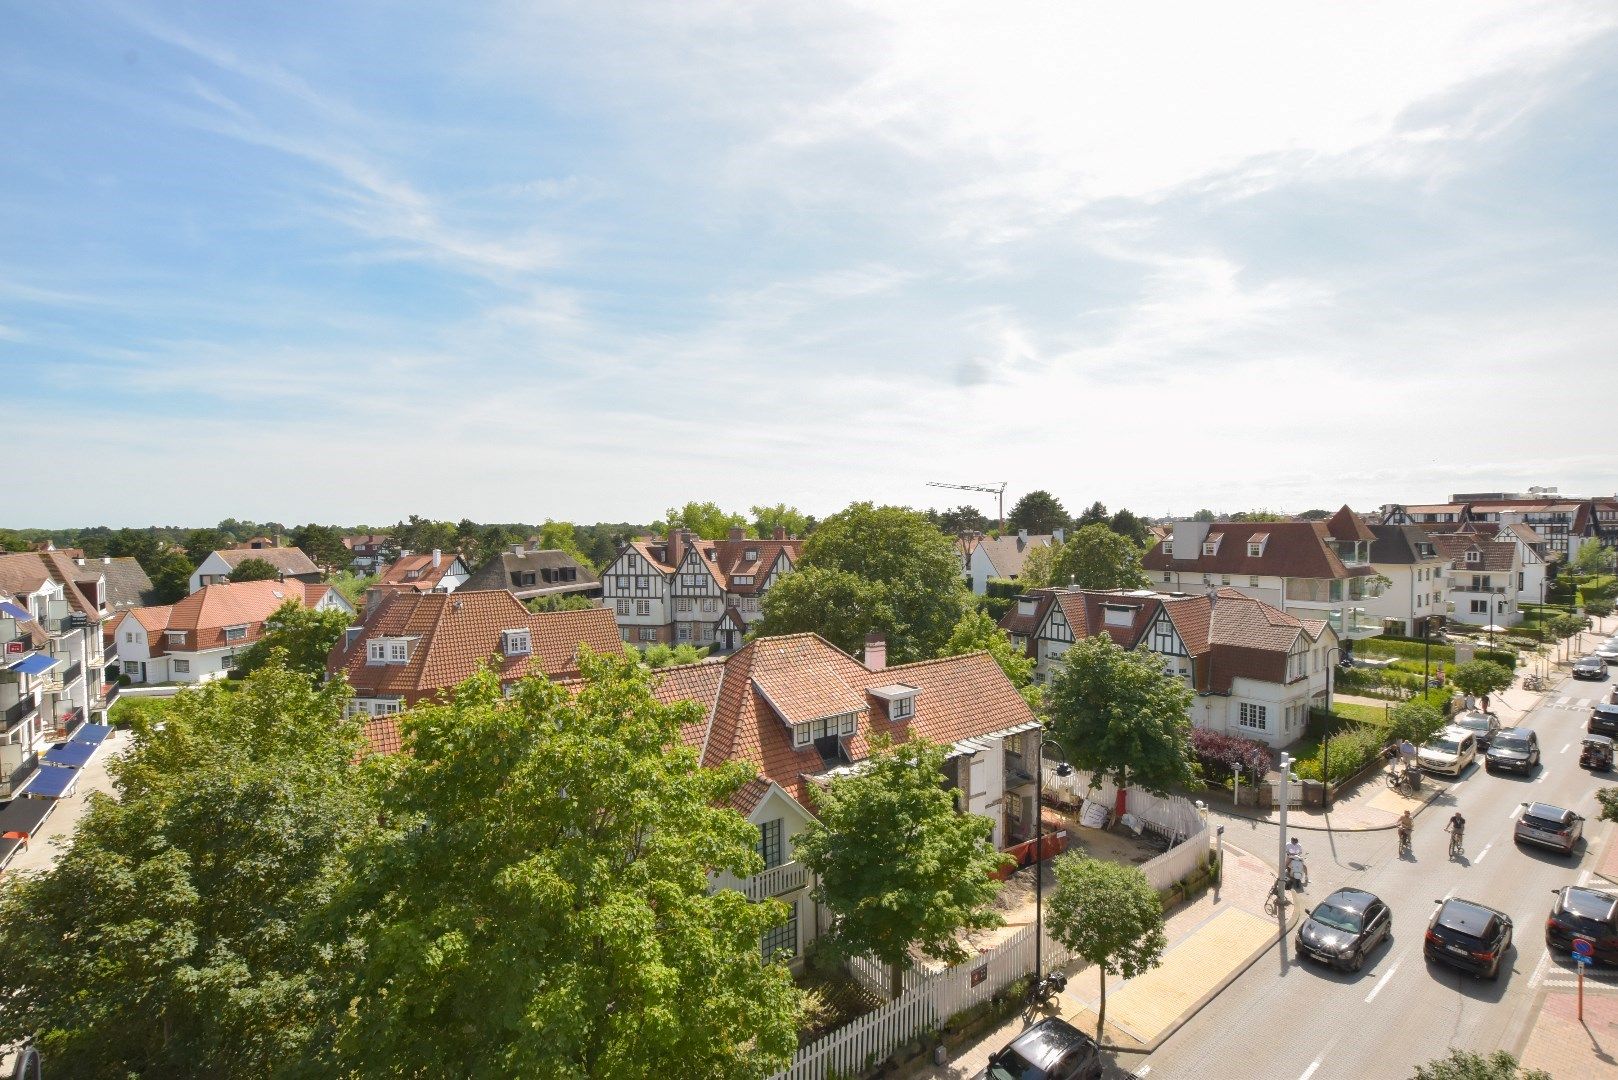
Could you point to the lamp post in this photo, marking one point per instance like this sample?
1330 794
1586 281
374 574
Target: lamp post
1062 769
1325 731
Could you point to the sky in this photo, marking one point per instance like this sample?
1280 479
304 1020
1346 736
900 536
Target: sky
350 261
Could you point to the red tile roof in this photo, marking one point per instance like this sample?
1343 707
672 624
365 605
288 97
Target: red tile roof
1345 525
418 571
1294 549
204 615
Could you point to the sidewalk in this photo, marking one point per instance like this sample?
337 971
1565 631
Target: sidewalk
1210 943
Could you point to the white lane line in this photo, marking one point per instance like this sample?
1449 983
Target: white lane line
1143 1070
1561 751
1563 700
1380 983
1310 1071
1482 854
1515 811
1540 779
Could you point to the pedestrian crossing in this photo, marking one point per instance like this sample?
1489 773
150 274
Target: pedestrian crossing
1570 704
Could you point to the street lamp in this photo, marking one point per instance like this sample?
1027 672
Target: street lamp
1325 733
1062 769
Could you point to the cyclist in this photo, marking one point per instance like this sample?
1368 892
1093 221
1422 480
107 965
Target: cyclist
1406 823
1457 831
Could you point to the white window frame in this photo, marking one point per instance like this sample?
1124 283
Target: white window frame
625 607
182 667
902 708
376 652
235 633
800 735
1253 716
517 642
643 607
648 633
398 652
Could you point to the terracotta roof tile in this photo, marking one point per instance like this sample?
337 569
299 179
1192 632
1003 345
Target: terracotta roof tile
418 571
1294 549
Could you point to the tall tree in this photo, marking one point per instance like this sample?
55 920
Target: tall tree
895 861
1132 528
767 518
200 543
539 903
419 534
1095 514
170 572
1480 677
1038 512
323 544
1095 557
871 568
254 570
1109 914
303 636
704 518
165 942
963 518
1038 566
1314 515
1120 716
1204 515
1593 558
1257 515
563 536
976 632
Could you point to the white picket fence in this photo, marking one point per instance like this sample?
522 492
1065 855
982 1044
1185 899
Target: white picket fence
929 999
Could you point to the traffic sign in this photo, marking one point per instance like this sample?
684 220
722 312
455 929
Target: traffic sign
1583 947
1582 959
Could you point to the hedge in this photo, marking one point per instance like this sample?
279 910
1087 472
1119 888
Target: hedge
1224 754
1350 750
1415 649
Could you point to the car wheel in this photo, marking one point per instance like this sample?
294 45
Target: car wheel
1494 972
1356 961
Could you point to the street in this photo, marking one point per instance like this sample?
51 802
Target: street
1293 1020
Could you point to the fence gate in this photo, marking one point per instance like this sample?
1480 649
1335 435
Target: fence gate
1294 793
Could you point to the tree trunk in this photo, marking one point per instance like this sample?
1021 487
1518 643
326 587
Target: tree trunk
896 975
1101 1013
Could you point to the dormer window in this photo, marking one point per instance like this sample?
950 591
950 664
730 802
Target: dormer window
902 708
1168 547
1256 544
235 633
901 700
1210 546
750 555
387 650
175 637
515 642
1117 615
1474 555
742 579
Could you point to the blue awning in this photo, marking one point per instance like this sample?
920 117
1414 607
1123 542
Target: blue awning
34 664
50 781
94 734
75 754
8 608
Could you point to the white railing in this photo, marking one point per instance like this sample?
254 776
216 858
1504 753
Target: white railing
776 881
929 999
1173 819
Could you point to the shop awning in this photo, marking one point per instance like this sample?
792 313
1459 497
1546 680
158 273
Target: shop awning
51 782
34 664
73 754
23 817
95 734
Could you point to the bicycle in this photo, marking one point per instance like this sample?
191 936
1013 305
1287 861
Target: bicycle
1456 848
1404 842
1405 780
1277 900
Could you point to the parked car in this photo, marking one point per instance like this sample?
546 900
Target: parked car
1608 650
1448 752
1589 667
1482 725
1344 927
1587 913
1549 826
1603 720
1513 748
1052 1049
1468 935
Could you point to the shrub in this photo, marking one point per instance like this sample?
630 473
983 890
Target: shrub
1503 657
1222 754
1415 720
1350 751
1409 648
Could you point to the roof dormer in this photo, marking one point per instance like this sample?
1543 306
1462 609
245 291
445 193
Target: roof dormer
1118 614
1256 544
900 699
1210 545
516 642
1473 555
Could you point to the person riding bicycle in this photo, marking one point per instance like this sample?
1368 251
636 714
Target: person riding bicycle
1456 828
1406 823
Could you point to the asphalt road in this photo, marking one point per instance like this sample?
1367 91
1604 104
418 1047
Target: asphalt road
1293 1020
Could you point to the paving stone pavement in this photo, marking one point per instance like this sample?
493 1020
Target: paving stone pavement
1565 1047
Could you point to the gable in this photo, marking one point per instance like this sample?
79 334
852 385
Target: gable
1164 637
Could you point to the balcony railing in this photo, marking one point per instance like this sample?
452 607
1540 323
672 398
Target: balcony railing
16 713
74 670
775 881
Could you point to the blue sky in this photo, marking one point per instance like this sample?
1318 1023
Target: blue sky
353 261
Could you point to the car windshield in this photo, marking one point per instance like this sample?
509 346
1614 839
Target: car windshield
1007 1065
1445 746
1337 918
1510 742
1474 723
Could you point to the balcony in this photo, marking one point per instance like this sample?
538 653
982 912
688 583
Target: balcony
16 713
776 881
71 675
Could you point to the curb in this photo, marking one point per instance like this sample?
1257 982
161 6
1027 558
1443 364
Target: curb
1201 1003
1426 801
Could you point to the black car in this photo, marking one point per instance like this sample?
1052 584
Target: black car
1052 1049
1484 726
1468 935
1515 749
1589 667
1346 926
1586 913
1603 720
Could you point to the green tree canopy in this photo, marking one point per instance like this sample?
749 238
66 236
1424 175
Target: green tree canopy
1480 677
1095 557
1593 558
704 518
976 632
1465 1065
254 570
538 904
1109 914
1598 607
170 572
1130 527
560 602
1415 720
166 942
872 568
767 518
302 635
661 655
323 544
1038 564
961 519
1314 515
419 534
895 860
1095 514
200 543
1038 512
1120 716
1205 515
1257 515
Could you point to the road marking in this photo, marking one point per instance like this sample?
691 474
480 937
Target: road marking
1540 779
1310 1071
1383 981
1515 811
1483 853
1563 700
1143 1070
1564 749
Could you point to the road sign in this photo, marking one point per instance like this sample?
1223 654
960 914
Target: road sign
1583 947
1582 960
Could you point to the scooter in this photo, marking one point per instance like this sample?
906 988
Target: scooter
1297 873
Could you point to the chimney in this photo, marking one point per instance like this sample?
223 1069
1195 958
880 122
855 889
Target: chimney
679 540
438 558
1058 536
1022 539
780 532
737 533
876 652
517 549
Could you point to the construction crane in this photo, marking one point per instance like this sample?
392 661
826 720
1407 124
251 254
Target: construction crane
997 490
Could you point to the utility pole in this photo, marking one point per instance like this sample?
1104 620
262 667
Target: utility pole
997 490
1281 878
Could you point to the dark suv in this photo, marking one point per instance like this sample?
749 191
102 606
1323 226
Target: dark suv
1514 748
1584 913
1052 1049
1468 935
1603 720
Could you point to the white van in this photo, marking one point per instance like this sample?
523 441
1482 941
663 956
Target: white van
1449 752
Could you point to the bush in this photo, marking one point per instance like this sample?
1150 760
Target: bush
1415 720
1350 750
1409 648
1223 754
1503 657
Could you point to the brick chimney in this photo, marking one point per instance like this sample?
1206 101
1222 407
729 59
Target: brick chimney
679 540
737 533
780 532
876 652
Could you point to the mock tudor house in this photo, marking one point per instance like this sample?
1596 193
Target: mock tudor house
196 640
431 572
289 562
1416 598
1483 578
1563 524
687 590
368 552
1001 556
802 712
1307 569
414 646
529 573
1256 670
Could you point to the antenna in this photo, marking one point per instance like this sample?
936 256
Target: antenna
997 490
